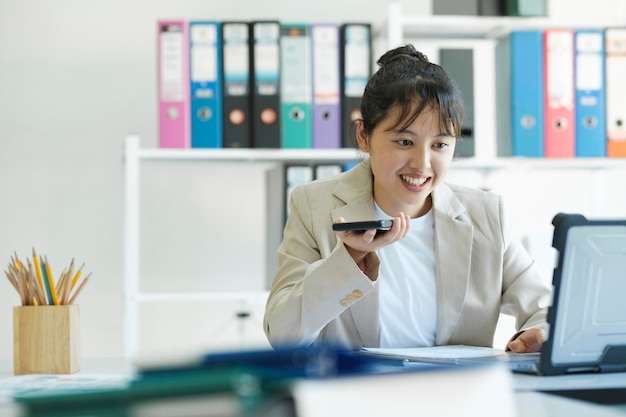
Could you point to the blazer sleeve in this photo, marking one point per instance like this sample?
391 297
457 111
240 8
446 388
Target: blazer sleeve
526 294
317 279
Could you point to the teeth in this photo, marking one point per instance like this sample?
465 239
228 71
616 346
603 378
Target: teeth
414 181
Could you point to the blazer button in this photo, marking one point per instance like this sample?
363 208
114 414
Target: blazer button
357 293
344 302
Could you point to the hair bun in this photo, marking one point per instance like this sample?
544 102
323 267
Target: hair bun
405 51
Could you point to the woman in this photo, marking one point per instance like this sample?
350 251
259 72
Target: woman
449 265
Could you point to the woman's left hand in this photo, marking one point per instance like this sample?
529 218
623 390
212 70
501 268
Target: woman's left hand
529 341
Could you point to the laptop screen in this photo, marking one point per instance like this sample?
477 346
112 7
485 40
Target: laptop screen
588 312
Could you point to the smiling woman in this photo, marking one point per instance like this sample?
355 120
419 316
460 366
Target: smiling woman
448 266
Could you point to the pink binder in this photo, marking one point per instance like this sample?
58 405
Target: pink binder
560 122
173 84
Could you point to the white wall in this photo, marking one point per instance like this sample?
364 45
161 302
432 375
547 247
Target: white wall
77 76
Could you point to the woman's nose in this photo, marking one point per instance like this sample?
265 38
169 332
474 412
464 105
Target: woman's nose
420 158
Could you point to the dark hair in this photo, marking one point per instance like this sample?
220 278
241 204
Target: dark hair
407 79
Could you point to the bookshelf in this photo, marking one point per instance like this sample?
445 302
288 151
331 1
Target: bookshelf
481 34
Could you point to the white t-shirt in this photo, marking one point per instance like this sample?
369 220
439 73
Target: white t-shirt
408 300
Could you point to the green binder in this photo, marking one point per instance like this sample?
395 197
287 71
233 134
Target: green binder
296 86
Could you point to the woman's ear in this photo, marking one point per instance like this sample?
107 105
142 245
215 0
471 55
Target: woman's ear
361 136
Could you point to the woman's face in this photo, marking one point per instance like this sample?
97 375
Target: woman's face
408 164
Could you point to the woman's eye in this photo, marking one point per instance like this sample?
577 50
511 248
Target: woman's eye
405 142
440 145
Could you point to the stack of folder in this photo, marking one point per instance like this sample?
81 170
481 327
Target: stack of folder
566 95
260 84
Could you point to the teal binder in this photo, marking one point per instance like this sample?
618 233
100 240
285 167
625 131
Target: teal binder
296 86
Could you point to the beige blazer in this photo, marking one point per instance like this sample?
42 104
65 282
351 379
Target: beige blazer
319 295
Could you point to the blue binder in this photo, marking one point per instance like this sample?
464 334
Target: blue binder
527 107
590 93
205 74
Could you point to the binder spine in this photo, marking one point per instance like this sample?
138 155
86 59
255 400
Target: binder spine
590 94
265 50
559 93
236 86
206 84
356 68
173 84
296 86
616 91
527 89
326 94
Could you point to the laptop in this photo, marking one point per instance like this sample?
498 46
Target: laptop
586 323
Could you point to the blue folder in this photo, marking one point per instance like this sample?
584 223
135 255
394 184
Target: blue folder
590 93
527 89
205 74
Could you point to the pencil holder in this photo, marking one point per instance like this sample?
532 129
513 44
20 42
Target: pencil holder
46 339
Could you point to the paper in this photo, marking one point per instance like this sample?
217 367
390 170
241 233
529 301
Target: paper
435 353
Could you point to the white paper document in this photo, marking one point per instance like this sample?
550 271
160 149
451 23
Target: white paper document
446 354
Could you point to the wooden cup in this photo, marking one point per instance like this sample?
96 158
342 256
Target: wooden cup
46 339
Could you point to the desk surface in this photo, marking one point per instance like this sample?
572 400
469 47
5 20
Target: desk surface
529 401
537 404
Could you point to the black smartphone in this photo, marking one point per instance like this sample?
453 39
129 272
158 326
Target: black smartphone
360 227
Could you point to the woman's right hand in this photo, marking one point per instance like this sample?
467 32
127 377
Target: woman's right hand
360 244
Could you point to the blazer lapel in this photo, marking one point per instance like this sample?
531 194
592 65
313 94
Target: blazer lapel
453 246
356 192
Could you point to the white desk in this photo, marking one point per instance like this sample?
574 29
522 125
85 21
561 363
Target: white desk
525 382
536 404
579 385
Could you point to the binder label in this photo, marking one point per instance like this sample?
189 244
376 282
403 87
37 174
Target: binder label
172 71
204 56
356 63
236 59
267 58
560 70
326 74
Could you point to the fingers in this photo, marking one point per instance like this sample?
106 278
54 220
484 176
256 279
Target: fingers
405 219
401 226
529 341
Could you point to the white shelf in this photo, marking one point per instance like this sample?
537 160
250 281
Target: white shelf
252 155
450 26
345 154
521 163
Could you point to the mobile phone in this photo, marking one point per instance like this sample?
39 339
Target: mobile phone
360 227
